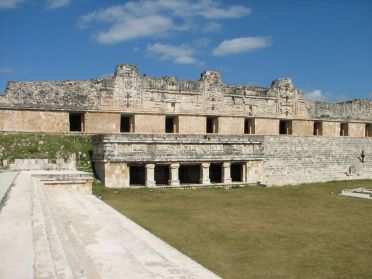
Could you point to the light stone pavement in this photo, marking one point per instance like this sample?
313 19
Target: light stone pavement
50 232
6 180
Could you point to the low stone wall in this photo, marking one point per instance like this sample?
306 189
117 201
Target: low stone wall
40 164
295 160
74 181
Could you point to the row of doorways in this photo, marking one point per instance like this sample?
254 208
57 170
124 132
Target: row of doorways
188 174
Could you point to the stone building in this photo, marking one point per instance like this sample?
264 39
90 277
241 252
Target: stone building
165 131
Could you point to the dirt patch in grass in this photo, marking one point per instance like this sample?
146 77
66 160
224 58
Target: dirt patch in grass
305 231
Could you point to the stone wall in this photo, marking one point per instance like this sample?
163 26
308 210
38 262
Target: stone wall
140 148
231 125
41 164
330 129
113 174
287 159
101 122
127 91
356 129
294 160
354 109
302 128
34 106
266 126
56 95
149 124
33 121
191 124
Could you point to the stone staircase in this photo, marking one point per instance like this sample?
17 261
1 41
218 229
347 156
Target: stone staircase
75 235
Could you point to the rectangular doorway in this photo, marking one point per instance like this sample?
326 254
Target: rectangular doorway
126 124
318 128
215 173
161 174
344 129
285 127
237 172
76 122
137 175
211 125
189 174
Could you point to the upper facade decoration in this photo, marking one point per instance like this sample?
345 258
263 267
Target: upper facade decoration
128 91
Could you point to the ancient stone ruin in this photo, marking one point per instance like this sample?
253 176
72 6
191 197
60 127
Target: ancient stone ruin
171 133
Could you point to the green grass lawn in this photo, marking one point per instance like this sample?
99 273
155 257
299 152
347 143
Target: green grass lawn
305 231
46 146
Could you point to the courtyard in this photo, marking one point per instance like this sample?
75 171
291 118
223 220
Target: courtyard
305 231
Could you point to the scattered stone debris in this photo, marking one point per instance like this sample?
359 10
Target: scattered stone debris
358 193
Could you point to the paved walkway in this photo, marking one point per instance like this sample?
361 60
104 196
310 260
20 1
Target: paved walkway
6 180
49 232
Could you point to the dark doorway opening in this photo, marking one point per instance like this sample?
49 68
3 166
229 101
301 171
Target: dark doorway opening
344 129
137 175
249 126
237 172
285 127
161 174
317 128
125 123
209 125
215 173
76 122
169 124
368 132
189 174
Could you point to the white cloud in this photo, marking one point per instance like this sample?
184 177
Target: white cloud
55 4
231 12
132 28
8 4
137 19
209 9
240 45
316 95
111 14
6 70
178 54
212 27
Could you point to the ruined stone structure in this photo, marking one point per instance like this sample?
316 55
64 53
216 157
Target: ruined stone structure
165 131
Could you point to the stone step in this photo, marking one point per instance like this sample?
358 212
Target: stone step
83 265
108 255
145 256
56 232
43 237
55 256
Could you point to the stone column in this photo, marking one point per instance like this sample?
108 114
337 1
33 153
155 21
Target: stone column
204 173
245 172
226 176
173 175
150 182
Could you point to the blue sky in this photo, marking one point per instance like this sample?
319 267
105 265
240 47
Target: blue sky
325 46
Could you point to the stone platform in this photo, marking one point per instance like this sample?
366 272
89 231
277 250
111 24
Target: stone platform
57 232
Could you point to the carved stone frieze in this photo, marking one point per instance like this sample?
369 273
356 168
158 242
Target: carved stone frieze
136 148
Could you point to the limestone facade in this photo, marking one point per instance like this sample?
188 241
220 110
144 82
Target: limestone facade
112 104
166 131
166 160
